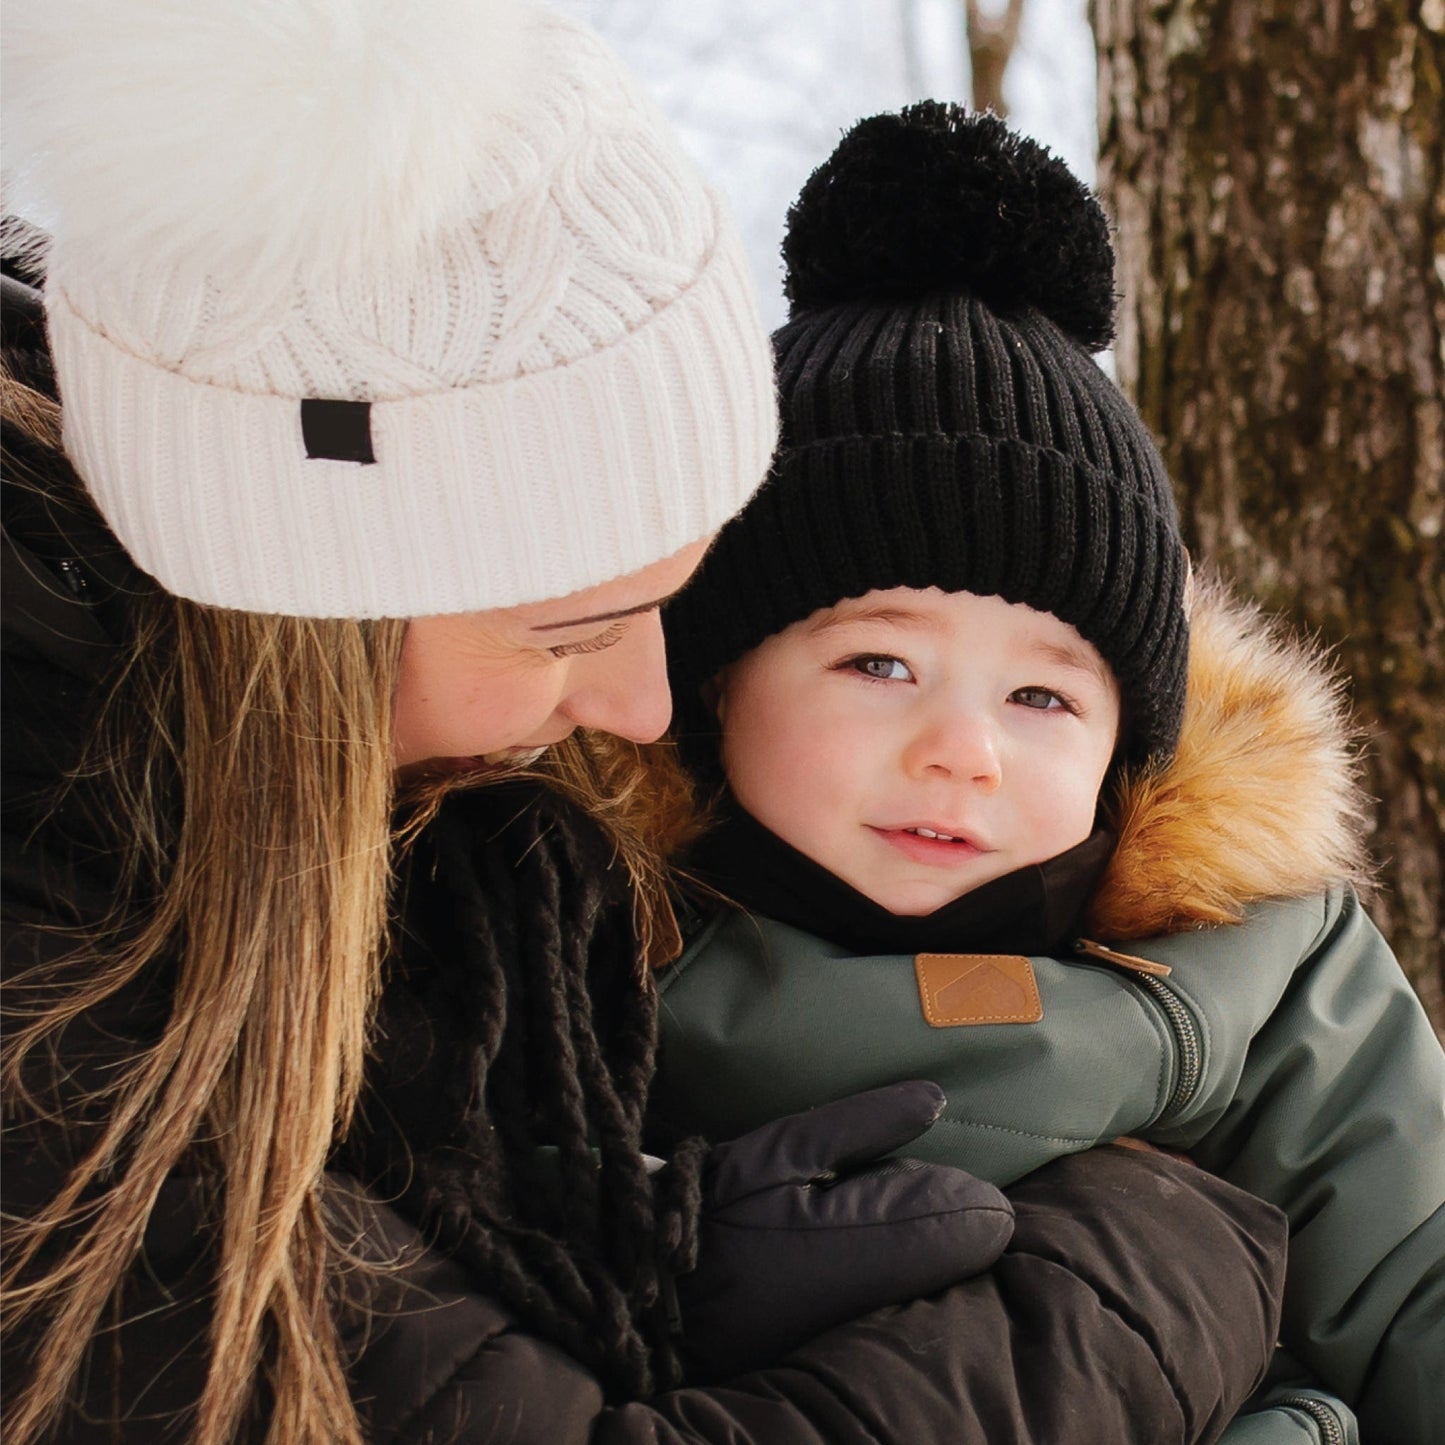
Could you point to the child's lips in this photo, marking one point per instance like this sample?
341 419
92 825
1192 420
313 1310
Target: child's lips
944 849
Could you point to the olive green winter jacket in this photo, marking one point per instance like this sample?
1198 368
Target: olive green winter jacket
1280 1044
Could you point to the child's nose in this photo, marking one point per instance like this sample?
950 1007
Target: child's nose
958 746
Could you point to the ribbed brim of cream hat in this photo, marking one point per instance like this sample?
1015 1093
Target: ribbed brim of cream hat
542 372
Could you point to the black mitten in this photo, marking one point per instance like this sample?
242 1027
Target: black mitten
807 1224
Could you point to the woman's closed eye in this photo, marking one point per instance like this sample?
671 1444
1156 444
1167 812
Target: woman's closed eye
878 667
1043 699
602 640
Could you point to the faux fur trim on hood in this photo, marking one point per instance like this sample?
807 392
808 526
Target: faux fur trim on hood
1262 799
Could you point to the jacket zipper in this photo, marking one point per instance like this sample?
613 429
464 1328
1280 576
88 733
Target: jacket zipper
1329 1422
1149 976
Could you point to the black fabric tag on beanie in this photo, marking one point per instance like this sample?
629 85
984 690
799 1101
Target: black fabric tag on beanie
337 430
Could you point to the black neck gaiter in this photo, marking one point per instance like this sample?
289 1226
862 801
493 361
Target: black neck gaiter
1034 910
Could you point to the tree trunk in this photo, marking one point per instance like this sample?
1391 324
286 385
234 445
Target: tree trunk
991 41
1275 171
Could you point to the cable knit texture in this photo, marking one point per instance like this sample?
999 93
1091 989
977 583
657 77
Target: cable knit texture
546 308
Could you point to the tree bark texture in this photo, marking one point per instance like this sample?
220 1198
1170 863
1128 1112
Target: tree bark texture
1274 168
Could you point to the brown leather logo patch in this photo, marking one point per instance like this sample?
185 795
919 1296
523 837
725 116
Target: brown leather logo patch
977 988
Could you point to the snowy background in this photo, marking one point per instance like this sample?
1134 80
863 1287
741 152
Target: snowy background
761 90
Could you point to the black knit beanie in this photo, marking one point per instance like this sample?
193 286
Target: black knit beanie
944 423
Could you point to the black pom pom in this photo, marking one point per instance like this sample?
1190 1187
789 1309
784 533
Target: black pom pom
934 199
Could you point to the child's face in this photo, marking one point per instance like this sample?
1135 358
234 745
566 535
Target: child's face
967 716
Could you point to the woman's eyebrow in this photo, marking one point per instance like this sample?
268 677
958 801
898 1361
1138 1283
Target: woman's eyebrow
606 616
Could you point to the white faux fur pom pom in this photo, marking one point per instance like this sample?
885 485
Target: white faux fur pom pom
249 135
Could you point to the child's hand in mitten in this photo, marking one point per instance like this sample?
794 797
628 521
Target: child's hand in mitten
807 1222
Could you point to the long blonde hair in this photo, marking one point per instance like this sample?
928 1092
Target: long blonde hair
269 902
244 763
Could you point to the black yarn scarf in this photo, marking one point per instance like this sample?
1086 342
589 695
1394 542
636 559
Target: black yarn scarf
506 1098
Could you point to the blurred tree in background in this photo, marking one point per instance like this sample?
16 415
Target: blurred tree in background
992 36
1276 169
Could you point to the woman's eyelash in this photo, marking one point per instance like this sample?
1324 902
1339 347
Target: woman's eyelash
592 644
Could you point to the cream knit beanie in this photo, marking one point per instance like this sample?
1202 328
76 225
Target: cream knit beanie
379 308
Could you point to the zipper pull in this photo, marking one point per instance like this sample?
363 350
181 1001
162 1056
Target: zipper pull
1125 960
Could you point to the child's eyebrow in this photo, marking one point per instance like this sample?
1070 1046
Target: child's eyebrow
1080 658
844 616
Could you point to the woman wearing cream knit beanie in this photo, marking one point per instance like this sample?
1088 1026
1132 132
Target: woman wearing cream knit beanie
378 309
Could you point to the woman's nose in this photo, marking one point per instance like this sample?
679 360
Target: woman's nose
623 689
958 745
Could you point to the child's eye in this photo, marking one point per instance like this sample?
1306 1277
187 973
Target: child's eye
880 667
605 639
1045 699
